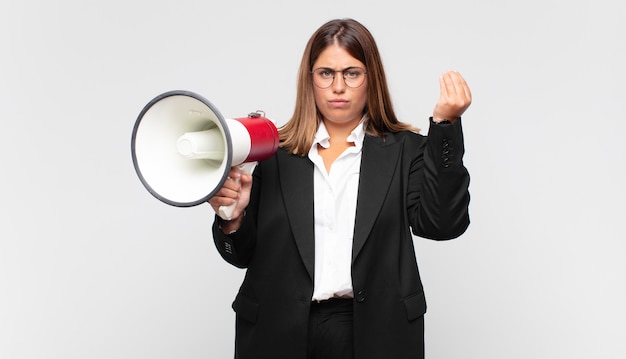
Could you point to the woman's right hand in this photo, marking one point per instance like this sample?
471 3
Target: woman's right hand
236 188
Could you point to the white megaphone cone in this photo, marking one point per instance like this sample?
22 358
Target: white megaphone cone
183 148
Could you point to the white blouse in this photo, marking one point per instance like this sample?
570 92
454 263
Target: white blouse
335 197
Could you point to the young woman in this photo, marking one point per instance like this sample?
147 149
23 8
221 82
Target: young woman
324 226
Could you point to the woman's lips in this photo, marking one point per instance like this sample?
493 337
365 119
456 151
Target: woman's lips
338 103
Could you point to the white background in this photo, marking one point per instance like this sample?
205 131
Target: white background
92 266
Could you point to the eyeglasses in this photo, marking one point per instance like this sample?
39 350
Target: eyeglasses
353 76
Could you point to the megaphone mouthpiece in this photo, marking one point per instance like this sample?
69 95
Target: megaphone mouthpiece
207 144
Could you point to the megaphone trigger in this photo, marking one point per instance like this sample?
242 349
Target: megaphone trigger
226 212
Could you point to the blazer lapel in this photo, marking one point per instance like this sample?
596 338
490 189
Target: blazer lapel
377 169
296 181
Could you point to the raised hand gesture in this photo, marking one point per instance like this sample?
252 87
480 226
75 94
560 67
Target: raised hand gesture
455 97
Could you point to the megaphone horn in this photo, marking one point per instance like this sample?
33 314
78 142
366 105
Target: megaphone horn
183 148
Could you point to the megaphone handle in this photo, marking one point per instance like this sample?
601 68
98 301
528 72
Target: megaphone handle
226 212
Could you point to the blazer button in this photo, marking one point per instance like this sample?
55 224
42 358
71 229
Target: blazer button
228 248
360 296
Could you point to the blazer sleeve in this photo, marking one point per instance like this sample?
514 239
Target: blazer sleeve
438 192
238 247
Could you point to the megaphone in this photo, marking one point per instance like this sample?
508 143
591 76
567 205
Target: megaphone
183 148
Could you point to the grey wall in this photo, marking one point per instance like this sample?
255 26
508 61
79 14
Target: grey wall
92 266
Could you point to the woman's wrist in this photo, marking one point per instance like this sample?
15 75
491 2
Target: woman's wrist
230 226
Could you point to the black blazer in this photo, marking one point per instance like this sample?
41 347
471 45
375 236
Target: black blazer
407 181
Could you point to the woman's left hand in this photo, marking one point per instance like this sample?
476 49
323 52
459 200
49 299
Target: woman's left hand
455 97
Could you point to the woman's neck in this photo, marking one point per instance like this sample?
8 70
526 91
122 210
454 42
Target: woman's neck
339 132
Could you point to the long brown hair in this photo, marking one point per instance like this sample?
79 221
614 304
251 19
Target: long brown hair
298 133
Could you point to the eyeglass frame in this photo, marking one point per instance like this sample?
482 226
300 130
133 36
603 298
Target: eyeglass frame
343 75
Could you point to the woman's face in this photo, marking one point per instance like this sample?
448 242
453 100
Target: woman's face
339 103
